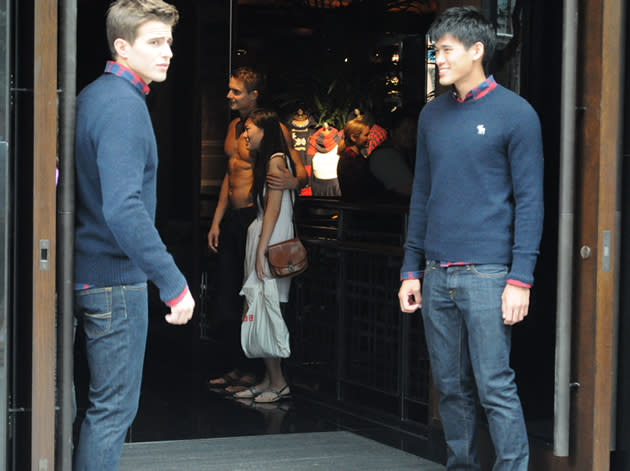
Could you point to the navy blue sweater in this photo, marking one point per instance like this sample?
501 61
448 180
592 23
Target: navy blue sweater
116 168
478 185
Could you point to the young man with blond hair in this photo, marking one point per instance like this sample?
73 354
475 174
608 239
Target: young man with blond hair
117 247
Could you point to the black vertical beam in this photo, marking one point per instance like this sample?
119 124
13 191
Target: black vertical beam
65 233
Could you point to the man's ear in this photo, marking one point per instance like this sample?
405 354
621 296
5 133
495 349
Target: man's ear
121 46
478 50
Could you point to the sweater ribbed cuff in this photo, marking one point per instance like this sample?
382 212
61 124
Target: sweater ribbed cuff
518 283
411 275
173 302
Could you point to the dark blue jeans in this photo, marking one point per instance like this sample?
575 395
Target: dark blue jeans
469 348
114 321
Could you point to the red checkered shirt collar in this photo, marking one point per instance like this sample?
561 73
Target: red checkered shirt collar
120 70
479 91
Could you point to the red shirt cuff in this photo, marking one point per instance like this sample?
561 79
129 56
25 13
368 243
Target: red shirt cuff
411 275
518 283
174 302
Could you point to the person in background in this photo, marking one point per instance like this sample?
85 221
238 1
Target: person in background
234 213
117 247
475 223
377 134
274 223
355 179
392 162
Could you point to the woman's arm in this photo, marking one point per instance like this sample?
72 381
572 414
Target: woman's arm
273 201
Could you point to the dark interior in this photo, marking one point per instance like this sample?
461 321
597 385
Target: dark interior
303 49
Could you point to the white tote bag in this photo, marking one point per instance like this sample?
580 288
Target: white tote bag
263 331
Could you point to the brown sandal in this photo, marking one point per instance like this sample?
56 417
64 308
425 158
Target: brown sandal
228 379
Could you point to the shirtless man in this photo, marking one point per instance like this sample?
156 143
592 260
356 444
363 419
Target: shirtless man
234 213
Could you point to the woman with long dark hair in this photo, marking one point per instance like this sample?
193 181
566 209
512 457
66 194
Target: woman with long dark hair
274 223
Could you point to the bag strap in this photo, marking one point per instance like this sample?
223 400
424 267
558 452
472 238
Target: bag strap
295 231
292 194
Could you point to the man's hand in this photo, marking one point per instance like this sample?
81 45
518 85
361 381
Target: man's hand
514 304
409 296
286 181
182 312
213 238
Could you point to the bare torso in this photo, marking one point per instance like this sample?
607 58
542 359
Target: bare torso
240 169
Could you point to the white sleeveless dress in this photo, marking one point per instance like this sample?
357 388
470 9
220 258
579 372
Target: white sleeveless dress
283 230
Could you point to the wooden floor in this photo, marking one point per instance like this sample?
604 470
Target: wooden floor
322 451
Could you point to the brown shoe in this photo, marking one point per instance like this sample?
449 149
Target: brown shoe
227 379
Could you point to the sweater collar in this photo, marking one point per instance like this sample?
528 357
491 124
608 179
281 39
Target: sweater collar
479 91
120 70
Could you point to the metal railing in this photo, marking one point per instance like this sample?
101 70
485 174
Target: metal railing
349 338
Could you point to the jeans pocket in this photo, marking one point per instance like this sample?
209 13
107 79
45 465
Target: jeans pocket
490 270
134 298
95 305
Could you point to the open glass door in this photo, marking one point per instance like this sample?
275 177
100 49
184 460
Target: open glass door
621 459
4 222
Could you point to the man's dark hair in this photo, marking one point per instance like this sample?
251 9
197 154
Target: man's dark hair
252 79
467 25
